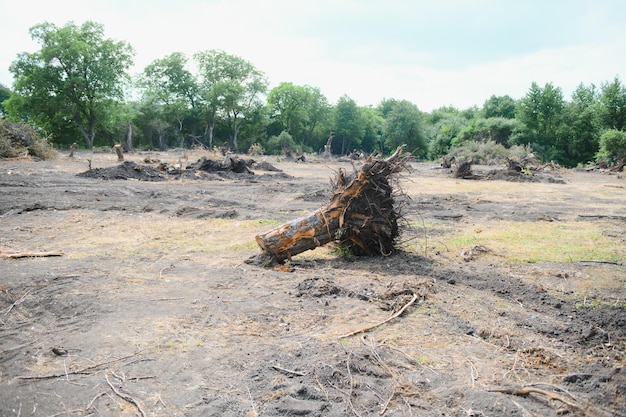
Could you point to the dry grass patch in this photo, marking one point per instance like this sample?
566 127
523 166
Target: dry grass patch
522 242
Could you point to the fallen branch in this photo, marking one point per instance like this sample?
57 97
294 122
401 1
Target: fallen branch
27 254
84 371
16 303
125 397
289 371
532 390
368 328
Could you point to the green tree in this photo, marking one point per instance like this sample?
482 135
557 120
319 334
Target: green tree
499 106
580 130
281 143
169 87
541 113
5 93
373 135
494 129
287 105
297 109
77 75
349 125
403 126
613 145
613 105
232 86
442 128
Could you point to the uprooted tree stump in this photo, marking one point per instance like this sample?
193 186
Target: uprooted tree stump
360 215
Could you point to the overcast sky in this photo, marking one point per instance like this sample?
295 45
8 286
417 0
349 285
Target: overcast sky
432 53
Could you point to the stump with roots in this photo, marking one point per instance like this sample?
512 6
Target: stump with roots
360 215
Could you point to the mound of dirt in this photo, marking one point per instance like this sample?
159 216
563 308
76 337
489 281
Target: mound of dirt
124 171
265 166
204 168
514 176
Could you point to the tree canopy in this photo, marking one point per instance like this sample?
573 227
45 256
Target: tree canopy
74 86
76 76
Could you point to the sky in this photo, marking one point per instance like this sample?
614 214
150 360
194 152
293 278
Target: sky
433 53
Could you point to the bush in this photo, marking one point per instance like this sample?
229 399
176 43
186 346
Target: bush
612 146
277 145
256 149
20 139
488 153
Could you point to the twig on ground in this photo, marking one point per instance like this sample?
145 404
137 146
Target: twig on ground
289 371
321 387
84 371
368 328
351 386
80 410
384 408
527 390
474 372
20 301
27 254
254 412
125 397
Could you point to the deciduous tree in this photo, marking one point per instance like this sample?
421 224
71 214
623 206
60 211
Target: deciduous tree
232 86
613 104
75 76
403 126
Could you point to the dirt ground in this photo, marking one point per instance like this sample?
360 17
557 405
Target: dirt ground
151 308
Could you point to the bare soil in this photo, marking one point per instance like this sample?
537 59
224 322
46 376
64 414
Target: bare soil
153 310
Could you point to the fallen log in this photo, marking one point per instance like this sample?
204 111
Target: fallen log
360 215
28 254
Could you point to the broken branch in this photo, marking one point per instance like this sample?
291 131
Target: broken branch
27 254
368 328
125 397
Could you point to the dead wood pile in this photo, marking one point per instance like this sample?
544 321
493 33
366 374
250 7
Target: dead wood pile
463 169
360 216
164 171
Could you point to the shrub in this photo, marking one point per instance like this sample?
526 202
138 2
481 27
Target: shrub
256 149
277 145
612 146
488 153
18 139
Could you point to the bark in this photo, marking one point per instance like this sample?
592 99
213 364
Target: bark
118 151
327 147
129 136
360 216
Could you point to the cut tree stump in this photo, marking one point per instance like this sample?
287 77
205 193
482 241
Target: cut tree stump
118 151
360 215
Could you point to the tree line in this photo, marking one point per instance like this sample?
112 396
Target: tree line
78 86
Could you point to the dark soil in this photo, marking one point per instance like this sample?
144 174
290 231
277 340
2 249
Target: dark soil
153 310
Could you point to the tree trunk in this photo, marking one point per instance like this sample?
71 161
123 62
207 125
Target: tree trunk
118 151
327 147
360 215
129 136
300 235
208 133
235 132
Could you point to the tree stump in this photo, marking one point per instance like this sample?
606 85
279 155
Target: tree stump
118 151
360 215
463 169
513 165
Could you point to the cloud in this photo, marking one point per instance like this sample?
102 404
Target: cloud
432 53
